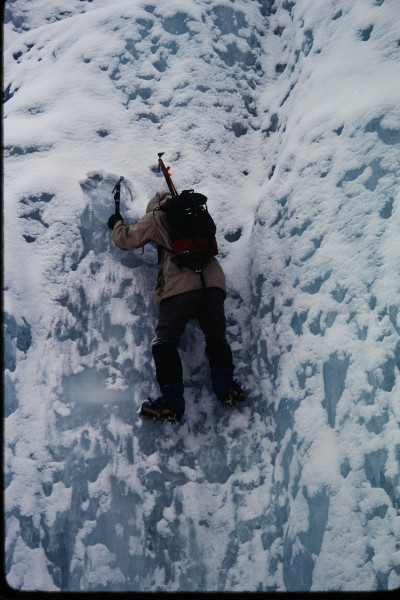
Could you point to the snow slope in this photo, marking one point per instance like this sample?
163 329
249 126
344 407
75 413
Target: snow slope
286 115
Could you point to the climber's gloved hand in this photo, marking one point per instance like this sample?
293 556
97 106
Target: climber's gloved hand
113 220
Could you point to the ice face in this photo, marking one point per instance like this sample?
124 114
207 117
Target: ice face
285 114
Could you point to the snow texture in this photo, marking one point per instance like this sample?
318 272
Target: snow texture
286 115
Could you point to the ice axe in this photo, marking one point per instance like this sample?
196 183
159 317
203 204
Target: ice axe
165 171
117 195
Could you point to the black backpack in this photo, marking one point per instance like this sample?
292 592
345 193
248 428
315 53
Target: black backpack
192 230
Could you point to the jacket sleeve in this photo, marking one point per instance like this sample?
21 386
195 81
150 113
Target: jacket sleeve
128 237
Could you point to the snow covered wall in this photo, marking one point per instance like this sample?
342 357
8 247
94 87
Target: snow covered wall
286 115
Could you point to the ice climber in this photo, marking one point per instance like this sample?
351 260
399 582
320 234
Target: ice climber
180 295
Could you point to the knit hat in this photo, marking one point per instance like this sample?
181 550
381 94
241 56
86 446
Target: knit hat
156 201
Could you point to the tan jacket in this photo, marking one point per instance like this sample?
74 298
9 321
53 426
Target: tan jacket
172 280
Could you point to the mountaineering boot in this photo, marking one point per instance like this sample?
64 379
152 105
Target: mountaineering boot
222 378
158 410
233 395
227 389
168 407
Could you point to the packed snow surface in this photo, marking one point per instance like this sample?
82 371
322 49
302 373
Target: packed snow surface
286 115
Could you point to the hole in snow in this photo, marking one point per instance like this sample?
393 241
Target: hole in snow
233 236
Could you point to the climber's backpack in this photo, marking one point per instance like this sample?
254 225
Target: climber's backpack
192 230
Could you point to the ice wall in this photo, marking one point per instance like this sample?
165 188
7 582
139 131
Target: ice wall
268 107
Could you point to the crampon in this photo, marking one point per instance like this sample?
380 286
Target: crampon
233 396
157 410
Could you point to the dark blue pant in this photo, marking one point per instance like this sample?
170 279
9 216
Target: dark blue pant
207 306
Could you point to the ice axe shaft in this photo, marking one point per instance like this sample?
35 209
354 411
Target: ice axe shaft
165 172
117 194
